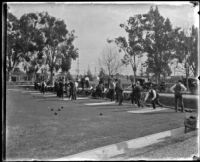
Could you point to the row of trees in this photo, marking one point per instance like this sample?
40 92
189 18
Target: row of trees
154 35
39 41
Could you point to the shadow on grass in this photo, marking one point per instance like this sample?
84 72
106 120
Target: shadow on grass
52 99
161 112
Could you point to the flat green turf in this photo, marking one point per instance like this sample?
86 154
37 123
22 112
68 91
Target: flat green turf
34 132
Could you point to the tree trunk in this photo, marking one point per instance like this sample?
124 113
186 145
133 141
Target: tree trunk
51 75
158 78
187 75
134 68
134 71
134 74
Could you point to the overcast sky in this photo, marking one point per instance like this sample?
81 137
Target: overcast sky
94 23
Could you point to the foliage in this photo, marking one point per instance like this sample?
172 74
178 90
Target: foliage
187 51
133 47
58 43
38 38
110 61
13 53
89 74
159 43
102 73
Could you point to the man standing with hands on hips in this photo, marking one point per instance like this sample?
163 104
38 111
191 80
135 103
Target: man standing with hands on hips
178 89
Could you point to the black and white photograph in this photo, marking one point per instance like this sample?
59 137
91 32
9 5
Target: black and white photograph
100 81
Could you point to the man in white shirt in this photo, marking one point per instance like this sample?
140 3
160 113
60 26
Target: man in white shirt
154 97
75 89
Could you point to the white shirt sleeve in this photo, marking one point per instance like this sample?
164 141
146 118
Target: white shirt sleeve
154 94
172 88
184 88
147 95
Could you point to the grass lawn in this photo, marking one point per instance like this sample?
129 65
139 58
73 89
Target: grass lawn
34 132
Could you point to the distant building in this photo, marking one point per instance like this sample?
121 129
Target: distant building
17 75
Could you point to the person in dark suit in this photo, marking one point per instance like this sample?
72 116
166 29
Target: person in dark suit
115 90
154 96
119 91
71 90
112 90
138 90
133 100
61 88
43 86
82 83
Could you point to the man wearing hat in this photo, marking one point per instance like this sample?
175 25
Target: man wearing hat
153 94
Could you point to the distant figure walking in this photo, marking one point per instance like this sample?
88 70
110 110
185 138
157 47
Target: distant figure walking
43 87
115 90
137 91
56 87
133 100
178 89
71 90
87 83
75 89
82 83
61 89
119 91
112 90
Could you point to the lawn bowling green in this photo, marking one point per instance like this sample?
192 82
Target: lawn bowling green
45 128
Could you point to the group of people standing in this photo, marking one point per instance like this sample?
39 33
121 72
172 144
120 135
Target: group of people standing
139 97
84 82
116 91
70 87
41 86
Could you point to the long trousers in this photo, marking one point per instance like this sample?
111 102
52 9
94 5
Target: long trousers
133 98
156 101
116 97
74 95
179 98
137 100
120 97
112 94
71 94
43 90
61 93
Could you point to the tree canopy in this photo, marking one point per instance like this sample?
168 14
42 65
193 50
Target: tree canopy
38 38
